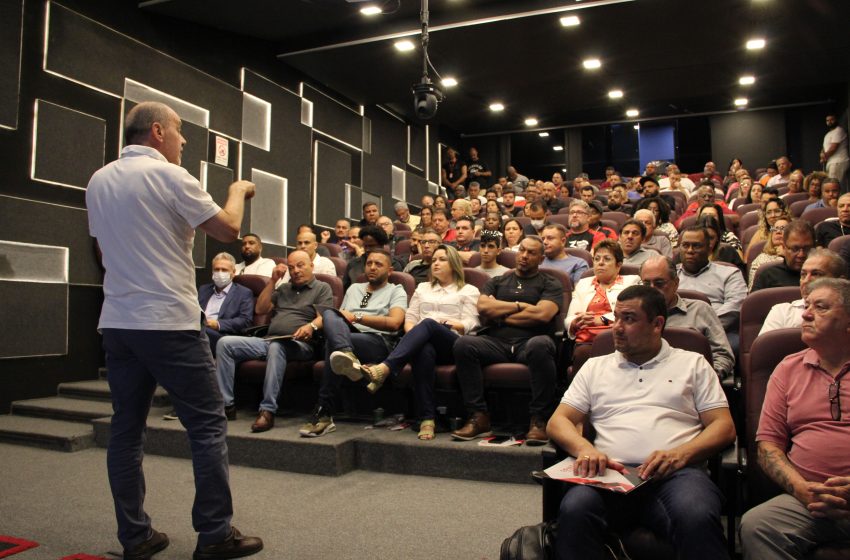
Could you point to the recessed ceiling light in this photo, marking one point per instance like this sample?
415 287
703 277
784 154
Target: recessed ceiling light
449 82
570 21
497 107
747 80
405 45
615 93
558 148
564 169
370 10
636 127
531 121
755 44
543 134
632 113
741 102
592 63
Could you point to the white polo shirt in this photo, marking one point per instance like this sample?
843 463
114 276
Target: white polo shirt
143 211
638 409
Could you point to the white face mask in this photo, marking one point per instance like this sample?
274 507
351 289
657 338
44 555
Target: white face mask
537 224
221 279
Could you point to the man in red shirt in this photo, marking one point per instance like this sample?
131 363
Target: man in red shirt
705 195
804 436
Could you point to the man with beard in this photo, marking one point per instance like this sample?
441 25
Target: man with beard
834 154
252 259
580 236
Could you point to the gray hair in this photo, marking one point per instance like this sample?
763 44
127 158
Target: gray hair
140 119
841 287
225 257
400 205
837 266
643 211
672 273
580 203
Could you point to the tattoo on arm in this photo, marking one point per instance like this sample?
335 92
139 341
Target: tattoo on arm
776 465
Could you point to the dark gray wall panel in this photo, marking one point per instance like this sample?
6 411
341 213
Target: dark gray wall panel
35 319
60 156
389 147
86 51
290 151
416 187
757 137
417 151
333 171
11 21
334 119
48 224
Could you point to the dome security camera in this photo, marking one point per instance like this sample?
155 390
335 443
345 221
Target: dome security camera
426 96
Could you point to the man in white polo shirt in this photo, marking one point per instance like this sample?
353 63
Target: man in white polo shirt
651 405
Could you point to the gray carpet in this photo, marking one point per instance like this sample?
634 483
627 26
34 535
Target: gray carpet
62 501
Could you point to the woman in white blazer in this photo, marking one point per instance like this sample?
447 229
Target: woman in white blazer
594 298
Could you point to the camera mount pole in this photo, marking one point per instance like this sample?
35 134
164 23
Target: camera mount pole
423 17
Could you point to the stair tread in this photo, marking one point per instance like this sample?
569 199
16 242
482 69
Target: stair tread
81 406
100 385
11 423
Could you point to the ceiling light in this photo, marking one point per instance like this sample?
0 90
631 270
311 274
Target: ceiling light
755 44
370 10
636 127
543 134
632 113
449 82
531 121
405 45
497 107
741 102
615 93
592 63
564 169
570 21
747 80
558 148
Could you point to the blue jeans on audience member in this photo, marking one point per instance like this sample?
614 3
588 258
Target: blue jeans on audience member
370 348
683 508
235 349
181 362
424 346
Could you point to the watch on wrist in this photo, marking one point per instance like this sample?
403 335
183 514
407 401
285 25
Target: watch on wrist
313 326
358 317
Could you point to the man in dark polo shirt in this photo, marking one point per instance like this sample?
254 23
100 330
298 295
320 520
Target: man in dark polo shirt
518 313
294 315
832 229
465 241
799 238
421 268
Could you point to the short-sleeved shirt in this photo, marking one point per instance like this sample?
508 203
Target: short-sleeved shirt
479 167
143 211
574 266
776 276
261 267
586 240
531 290
836 136
637 409
380 302
796 416
293 305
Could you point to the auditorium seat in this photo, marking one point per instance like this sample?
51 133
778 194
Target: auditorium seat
794 197
507 259
563 219
398 227
796 208
757 249
474 260
754 311
747 235
475 277
340 265
580 253
839 242
619 217
747 220
764 267
402 248
742 209
334 249
693 294
336 287
817 215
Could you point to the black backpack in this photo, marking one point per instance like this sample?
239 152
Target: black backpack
532 542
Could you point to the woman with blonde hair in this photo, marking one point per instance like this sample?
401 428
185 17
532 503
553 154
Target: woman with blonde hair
773 211
440 311
773 248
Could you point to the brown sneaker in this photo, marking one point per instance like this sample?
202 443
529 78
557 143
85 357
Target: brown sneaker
376 374
477 426
537 432
264 422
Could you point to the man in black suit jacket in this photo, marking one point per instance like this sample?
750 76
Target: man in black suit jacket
228 307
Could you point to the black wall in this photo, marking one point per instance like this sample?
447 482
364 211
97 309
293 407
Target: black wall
73 109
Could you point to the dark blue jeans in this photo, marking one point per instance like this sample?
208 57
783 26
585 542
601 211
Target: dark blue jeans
427 344
684 508
181 362
369 348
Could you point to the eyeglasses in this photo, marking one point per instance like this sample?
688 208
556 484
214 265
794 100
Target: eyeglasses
658 283
365 301
777 229
794 250
578 212
430 241
835 400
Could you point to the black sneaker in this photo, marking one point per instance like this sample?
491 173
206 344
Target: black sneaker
230 412
319 424
143 551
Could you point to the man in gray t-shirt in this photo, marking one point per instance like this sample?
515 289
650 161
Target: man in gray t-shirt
295 318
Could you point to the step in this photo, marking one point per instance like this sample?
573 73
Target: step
350 447
101 373
63 408
58 435
99 389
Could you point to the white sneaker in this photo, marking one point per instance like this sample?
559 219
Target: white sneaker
347 364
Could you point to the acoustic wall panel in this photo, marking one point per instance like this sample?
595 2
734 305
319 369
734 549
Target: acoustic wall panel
389 150
28 262
87 52
256 121
398 183
189 112
268 215
335 119
27 221
416 187
417 148
331 172
68 145
11 33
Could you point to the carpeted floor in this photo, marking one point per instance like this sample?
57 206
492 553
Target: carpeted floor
62 501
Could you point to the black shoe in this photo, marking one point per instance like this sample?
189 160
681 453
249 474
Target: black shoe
230 412
234 546
144 550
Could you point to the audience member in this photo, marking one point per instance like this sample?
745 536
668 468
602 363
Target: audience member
834 228
660 273
802 441
660 243
509 203
633 419
661 211
489 249
828 194
618 198
631 239
426 201
726 236
374 311
587 193
228 307
579 235
321 265
253 261
783 173
460 207
518 312
478 170
514 234
403 215
519 181
370 214
294 316
717 250
536 212
772 212
440 223
425 217
554 239
341 231
743 193
773 249
550 198
675 181
420 267
798 240
705 195
594 220
386 224
465 241
453 173
372 238
834 154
